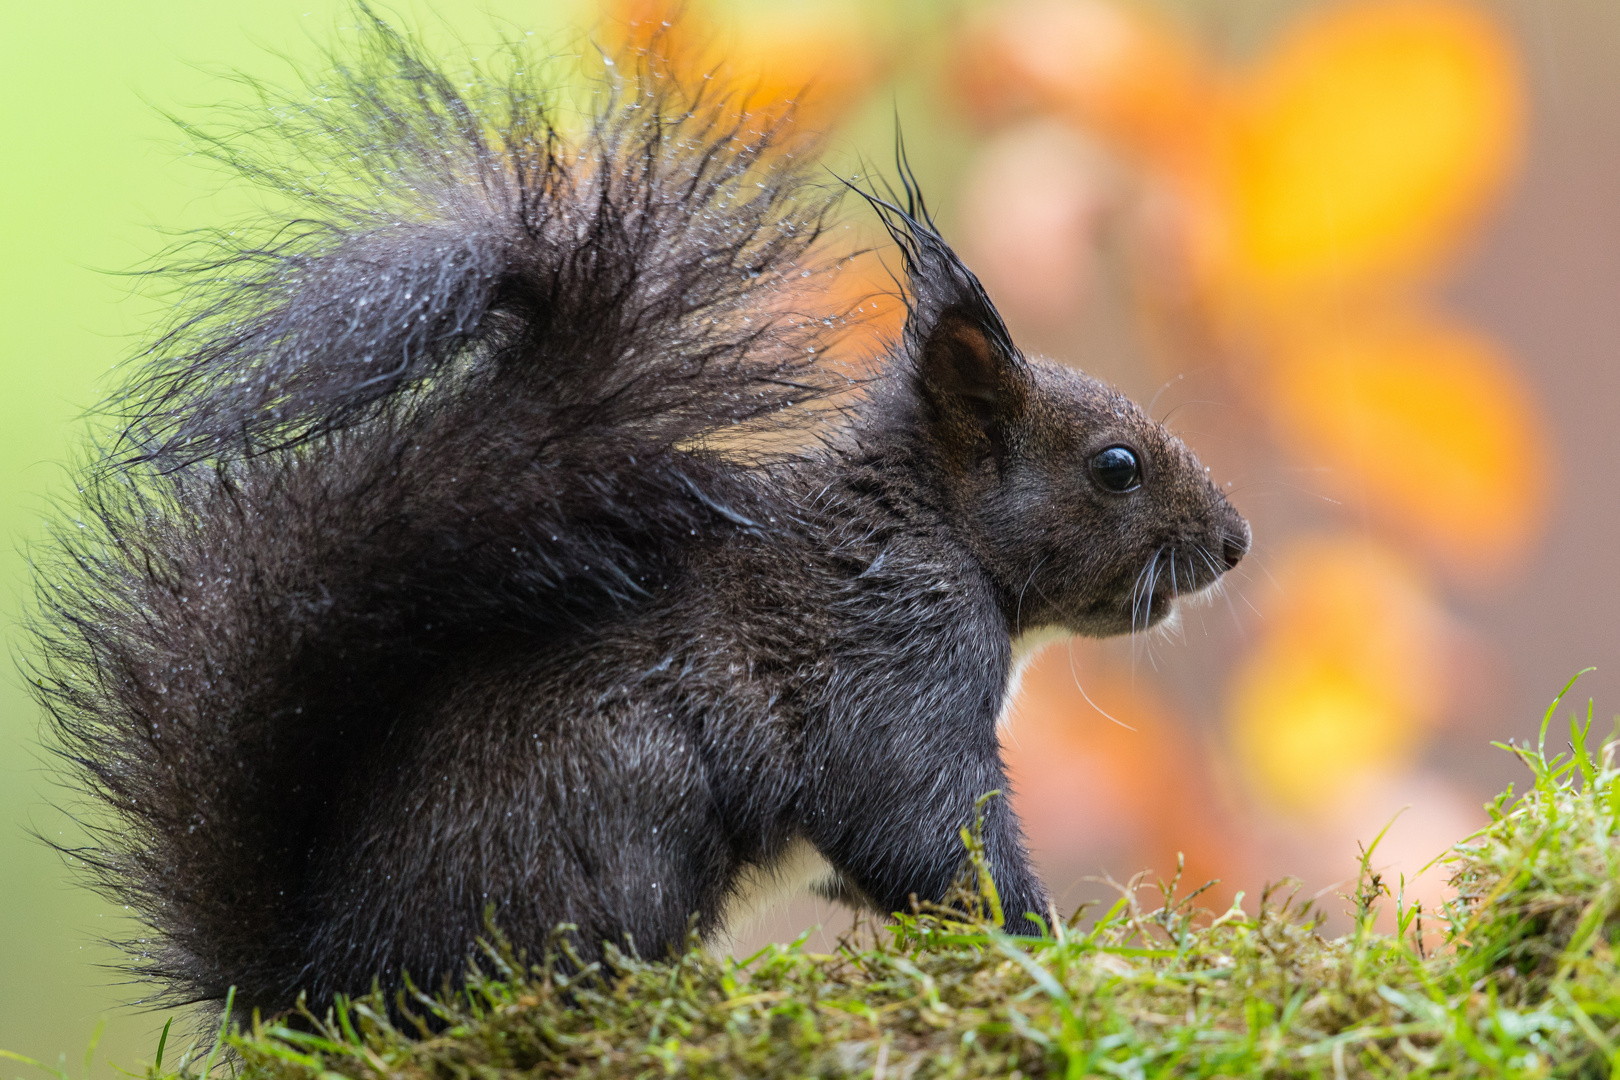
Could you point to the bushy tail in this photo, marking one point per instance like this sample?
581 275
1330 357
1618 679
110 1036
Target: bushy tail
462 392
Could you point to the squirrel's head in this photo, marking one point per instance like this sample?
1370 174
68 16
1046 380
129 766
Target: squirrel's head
1085 512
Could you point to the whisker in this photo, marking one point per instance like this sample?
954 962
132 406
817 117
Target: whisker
1219 588
1217 569
1256 557
1178 629
1018 615
1192 592
1136 590
1165 419
1171 382
1241 570
1247 484
1203 591
1168 383
1237 622
1076 676
1152 588
1137 596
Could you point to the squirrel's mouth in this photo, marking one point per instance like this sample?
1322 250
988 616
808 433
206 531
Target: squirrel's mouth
1150 608
1171 575
1154 607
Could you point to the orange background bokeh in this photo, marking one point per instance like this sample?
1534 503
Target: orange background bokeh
1271 230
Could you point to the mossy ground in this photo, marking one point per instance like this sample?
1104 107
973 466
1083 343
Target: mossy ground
1516 977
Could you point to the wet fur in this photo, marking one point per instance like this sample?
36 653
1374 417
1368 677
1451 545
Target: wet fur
417 585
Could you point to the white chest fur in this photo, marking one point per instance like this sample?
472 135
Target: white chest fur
761 888
1024 649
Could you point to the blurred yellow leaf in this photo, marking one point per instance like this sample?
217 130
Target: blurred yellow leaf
1348 674
1366 144
1423 424
1309 730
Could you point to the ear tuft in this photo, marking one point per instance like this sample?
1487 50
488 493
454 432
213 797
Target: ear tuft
959 361
972 379
966 366
963 368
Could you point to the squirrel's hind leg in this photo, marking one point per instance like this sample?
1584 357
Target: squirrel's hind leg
508 801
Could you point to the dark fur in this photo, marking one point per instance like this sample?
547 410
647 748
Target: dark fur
430 576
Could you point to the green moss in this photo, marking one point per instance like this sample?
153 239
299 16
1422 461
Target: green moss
1518 979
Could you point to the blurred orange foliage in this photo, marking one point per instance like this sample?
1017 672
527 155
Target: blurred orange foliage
1362 149
1433 425
1289 215
810 64
1128 780
1117 69
1305 200
802 68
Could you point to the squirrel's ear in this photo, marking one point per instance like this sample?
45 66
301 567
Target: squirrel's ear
968 373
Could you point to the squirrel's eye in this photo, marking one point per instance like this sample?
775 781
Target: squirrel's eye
1117 469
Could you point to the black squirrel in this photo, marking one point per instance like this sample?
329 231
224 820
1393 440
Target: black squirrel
486 537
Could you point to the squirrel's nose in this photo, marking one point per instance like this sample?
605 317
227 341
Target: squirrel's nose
1235 544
